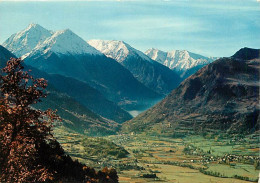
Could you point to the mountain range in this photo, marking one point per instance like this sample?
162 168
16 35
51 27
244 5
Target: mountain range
23 42
95 84
153 75
66 54
75 116
223 95
185 63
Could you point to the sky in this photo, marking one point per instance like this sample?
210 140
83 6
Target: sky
207 27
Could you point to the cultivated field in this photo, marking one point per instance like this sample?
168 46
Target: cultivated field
208 158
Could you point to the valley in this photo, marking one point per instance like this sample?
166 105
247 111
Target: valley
206 130
213 157
128 91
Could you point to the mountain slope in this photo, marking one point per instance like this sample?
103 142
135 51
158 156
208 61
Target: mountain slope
24 41
181 61
87 96
104 74
46 152
75 116
5 55
66 54
153 75
65 42
84 94
80 91
223 95
38 39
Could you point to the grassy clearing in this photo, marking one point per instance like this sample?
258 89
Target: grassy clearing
242 170
219 146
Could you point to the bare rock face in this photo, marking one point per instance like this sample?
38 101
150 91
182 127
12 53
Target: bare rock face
223 95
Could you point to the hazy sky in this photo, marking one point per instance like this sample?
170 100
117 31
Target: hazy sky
208 27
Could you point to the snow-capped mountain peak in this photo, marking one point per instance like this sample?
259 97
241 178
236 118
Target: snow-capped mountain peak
113 49
179 60
65 42
36 39
25 40
34 26
117 50
156 55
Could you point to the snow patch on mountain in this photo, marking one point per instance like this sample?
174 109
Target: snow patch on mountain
113 49
24 41
65 42
117 50
36 39
179 60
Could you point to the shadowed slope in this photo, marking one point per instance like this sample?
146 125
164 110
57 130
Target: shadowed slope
223 95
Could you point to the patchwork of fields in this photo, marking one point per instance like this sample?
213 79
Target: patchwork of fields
210 158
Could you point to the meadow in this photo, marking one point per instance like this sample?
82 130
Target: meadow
142 158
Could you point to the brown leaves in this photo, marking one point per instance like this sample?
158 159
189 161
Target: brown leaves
22 129
19 87
28 151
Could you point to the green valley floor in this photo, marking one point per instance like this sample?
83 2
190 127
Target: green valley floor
142 158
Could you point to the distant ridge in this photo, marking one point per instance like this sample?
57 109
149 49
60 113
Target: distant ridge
66 54
153 75
223 95
182 61
75 116
247 53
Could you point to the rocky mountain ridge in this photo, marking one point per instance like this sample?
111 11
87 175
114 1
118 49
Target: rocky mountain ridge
66 54
223 95
75 115
153 75
182 61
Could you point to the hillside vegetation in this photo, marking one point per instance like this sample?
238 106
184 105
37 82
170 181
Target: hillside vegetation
223 95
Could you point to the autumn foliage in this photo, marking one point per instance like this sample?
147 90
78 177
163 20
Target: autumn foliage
23 129
28 150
